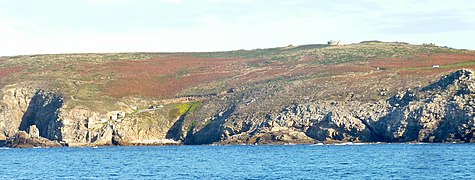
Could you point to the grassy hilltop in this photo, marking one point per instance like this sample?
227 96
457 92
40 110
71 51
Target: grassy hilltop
90 78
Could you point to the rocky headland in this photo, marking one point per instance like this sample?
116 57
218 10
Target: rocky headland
316 105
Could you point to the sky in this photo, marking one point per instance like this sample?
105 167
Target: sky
101 26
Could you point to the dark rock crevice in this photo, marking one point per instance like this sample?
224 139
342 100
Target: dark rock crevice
43 111
374 135
175 132
211 132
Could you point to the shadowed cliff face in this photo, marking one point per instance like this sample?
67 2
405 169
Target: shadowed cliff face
43 111
211 132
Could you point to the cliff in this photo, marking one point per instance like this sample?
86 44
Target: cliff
307 94
442 111
439 112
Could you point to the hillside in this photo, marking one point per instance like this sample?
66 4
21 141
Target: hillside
364 92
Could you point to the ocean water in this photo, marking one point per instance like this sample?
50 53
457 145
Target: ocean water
367 161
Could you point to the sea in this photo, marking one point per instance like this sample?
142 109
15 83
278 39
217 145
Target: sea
344 161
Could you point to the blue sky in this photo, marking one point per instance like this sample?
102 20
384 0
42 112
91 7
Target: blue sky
59 26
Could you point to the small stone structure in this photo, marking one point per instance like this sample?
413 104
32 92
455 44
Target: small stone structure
335 43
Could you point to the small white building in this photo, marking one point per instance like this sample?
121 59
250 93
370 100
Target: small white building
335 43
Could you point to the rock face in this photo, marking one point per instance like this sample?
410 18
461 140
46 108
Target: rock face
43 113
442 111
33 111
14 103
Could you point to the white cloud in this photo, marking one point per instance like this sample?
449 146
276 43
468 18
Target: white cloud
132 1
7 28
109 1
174 1
215 25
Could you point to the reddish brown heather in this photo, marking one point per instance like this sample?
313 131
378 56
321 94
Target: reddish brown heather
423 60
167 76
9 71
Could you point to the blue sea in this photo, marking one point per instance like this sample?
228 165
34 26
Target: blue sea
362 161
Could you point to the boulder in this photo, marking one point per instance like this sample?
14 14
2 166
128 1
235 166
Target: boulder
20 138
24 140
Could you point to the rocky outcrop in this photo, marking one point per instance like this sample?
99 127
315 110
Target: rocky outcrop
145 128
33 131
211 132
14 103
24 140
43 112
25 109
440 112
45 117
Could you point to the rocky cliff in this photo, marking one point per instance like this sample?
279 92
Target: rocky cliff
36 117
442 111
439 112
25 109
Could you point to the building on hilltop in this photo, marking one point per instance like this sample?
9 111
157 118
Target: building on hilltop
335 43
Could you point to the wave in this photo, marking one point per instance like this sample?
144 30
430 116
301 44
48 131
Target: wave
351 143
318 144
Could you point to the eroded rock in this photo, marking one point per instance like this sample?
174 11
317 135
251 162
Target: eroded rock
23 140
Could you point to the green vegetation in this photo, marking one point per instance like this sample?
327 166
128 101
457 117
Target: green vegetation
181 109
39 61
182 72
470 63
203 89
333 54
368 51
268 53
454 65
